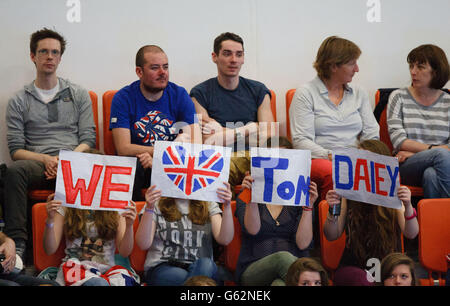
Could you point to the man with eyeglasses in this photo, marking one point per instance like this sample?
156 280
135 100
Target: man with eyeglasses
47 115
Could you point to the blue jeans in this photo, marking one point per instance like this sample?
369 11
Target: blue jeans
429 169
167 275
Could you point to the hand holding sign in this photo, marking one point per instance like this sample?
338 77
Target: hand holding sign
152 195
130 214
248 180
313 193
52 207
404 194
224 194
333 198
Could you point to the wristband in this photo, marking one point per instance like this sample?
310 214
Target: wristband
430 147
149 210
49 225
306 208
412 216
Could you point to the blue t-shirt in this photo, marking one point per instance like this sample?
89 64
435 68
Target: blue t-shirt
149 121
238 105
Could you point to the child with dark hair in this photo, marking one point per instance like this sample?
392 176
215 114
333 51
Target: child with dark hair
306 272
397 269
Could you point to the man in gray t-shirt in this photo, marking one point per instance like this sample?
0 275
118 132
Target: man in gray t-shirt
46 116
231 107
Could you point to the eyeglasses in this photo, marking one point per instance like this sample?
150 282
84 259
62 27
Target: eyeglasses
45 52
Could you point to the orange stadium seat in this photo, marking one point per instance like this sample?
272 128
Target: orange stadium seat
330 251
434 238
108 143
289 95
233 249
137 257
41 259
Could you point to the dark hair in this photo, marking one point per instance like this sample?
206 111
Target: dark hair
200 280
334 51
282 142
226 36
305 264
140 61
391 261
43 34
435 57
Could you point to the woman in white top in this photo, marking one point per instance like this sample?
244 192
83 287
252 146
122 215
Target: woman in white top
327 113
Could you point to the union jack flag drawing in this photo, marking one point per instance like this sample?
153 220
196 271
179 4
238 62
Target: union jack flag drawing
154 126
191 173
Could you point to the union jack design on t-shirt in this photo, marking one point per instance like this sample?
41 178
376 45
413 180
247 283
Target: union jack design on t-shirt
154 126
191 173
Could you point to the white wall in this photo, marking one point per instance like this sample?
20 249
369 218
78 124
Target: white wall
281 39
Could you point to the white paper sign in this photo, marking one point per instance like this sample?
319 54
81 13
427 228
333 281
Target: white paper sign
364 176
281 176
190 171
93 181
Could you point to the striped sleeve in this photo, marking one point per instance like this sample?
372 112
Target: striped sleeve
396 129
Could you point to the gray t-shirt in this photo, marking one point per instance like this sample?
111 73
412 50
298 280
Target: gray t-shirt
181 240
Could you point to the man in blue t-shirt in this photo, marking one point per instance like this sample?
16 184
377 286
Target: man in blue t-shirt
231 107
148 110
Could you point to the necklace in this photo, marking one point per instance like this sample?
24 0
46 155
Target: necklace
275 211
